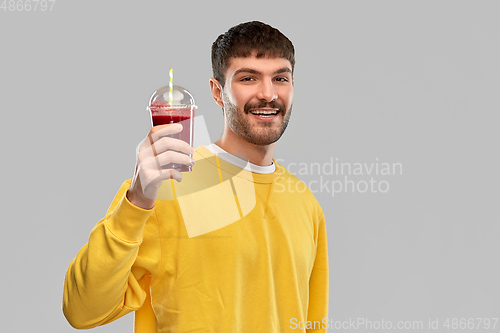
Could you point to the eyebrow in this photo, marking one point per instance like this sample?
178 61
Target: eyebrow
253 71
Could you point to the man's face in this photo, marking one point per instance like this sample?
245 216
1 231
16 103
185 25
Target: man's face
257 98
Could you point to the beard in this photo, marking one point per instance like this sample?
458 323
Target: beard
264 134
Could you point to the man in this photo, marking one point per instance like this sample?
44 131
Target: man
225 248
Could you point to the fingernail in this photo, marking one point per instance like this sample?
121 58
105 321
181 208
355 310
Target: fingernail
192 161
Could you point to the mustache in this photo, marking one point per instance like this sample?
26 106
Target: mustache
263 104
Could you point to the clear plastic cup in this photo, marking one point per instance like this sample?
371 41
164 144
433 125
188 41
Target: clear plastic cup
180 111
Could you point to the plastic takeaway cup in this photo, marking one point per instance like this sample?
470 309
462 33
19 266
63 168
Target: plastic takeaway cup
180 111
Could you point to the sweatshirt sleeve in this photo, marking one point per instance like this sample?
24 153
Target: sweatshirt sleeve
318 282
100 284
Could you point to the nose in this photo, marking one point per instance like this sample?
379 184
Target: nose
267 91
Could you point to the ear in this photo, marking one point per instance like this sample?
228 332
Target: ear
216 89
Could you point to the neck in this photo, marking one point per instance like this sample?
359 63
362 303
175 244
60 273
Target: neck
233 144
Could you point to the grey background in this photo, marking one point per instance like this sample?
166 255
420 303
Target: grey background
410 82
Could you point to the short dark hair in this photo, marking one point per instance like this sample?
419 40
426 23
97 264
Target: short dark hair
245 38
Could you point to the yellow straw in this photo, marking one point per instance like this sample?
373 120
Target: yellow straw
171 86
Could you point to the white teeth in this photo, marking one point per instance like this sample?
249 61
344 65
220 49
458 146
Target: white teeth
264 112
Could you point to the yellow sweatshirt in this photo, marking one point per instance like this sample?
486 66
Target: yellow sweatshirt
225 250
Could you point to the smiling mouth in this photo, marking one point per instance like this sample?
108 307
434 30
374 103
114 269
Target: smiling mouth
264 113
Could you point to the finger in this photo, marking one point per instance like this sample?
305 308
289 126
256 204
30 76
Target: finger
164 130
166 143
149 158
172 156
156 134
166 174
176 175
162 175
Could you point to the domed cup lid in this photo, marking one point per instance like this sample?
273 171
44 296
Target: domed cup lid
181 99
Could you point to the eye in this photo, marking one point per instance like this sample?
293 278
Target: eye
281 79
246 79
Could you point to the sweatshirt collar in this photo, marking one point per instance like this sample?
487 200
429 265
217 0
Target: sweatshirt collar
228 166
